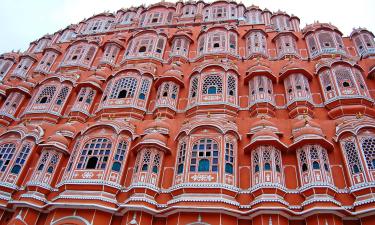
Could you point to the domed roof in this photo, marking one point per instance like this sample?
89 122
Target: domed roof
154 137
259 69
172 73
58 138
263 134
262 123
308 132
158 123
303 123
70 127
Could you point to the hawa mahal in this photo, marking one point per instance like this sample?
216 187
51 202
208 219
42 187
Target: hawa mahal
189 113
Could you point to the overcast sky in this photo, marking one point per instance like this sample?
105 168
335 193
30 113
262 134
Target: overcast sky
23 21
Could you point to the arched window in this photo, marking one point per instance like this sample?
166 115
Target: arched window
205 156
256 43
124 88
95 153
52 163
43 160
231 86
352 157
5 66
46 95
314 165
194 87
145 86
229 157
181 158
266 165
326 40
6 154
21 158
62 96
212 84
119 156
368 148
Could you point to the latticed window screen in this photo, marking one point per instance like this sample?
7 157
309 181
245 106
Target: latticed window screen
156 163
205 156
277 156
146 160
212 84
303 160
21 159
73 156
144 89
181 158
231 86
46 95
312 43
352 157
229 157
326 81
326 40
6 154
119 156
368 147
62 96
95 154
256 161
194 87
43 161
344 77
339 41
4 67
124 88
254 17
52 163
256 43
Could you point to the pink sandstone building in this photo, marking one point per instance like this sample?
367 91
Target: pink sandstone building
189 114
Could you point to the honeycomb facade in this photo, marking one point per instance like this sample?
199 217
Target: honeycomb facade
192 114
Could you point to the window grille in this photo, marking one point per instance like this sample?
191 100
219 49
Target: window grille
46 95
212 84
124 88
6 154
181 158
205 156
94 154
368 147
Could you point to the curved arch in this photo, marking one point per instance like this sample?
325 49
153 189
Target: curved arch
223 127
71 219
59 78
116 126
34 131
147 31
224 66
353 128
123 71
329 63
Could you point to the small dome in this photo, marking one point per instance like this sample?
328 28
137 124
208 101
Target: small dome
154 136
59 139
304 123
262 123
264 134
158 123
68 127
309 131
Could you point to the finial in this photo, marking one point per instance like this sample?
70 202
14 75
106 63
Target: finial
134 221
359 115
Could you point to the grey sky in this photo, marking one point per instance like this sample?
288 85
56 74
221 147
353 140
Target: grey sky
23 21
